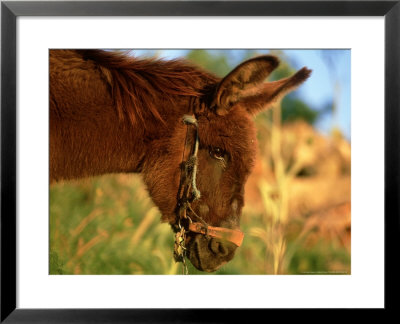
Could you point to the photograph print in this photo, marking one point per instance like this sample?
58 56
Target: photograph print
199 161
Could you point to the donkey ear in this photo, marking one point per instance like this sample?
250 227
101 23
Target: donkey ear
268 93
244 77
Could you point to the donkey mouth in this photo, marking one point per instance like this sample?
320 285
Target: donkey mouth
209 254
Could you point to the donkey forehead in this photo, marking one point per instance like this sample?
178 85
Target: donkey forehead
238 124
234 132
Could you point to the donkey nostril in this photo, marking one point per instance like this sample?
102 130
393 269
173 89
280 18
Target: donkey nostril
218 247
214 246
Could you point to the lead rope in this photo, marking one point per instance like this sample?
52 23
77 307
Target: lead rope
188 182
191 163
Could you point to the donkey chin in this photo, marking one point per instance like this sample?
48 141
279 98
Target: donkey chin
208 254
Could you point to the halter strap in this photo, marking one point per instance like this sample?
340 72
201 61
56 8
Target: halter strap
231 235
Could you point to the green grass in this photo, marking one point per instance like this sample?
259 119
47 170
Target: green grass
104 227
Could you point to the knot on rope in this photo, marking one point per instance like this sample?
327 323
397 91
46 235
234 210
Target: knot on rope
189 120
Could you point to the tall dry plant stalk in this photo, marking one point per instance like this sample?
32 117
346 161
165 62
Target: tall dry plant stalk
275 198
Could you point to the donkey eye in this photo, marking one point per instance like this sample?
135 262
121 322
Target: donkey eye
217 153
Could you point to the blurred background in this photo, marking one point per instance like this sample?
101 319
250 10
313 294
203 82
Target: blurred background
297 214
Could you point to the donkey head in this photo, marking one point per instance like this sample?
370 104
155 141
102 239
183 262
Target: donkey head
227 150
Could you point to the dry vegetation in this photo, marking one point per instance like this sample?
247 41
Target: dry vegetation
301 189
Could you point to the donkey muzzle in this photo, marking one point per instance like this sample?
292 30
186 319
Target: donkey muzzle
209 253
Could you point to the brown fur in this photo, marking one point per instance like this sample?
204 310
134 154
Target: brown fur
110 112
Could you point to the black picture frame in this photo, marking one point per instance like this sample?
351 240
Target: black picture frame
10 10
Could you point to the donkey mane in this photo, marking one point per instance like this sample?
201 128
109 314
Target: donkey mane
138 86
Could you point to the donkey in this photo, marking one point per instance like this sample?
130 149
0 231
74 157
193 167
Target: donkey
189 133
